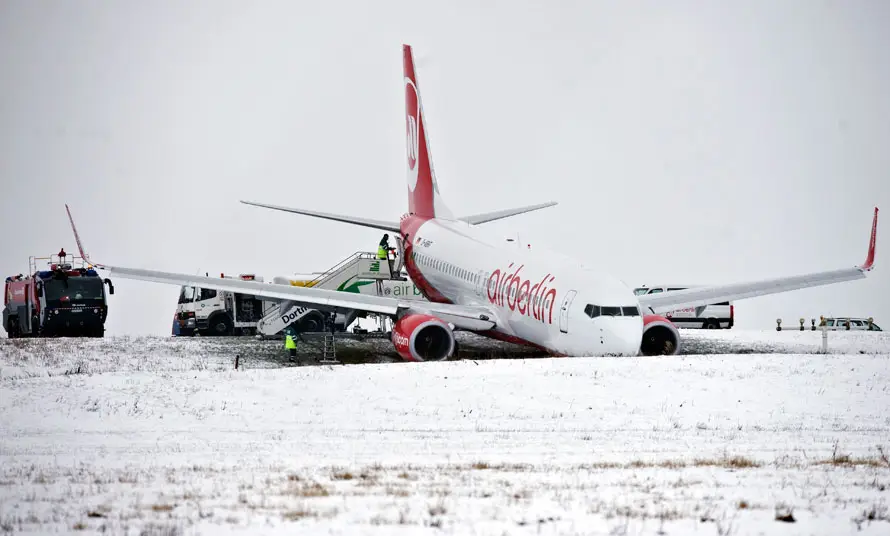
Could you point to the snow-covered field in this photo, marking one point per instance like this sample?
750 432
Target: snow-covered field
163 436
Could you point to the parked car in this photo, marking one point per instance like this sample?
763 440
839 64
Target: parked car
847 323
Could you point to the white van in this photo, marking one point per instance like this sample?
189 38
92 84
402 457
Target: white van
715 316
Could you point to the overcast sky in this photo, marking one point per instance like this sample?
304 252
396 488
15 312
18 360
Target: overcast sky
691 142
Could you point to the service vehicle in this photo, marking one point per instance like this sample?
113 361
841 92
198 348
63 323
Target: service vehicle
720 315
66 300
207 311
204 311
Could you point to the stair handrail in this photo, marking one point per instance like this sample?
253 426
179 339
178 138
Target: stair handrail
336 269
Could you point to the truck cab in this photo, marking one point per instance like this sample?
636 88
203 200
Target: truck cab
207 311
64 300
713 316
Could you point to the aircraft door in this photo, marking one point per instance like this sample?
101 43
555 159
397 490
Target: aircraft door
400 254
480 283
564 311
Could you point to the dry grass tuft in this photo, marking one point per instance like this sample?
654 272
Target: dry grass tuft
733 462
839 458
481 465
162 508
342 475
313 489
397 492
604 465
298 514
740 462
729 462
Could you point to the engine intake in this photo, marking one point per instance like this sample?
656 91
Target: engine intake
660 336
419 337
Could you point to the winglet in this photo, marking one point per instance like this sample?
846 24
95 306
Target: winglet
83 253
870 259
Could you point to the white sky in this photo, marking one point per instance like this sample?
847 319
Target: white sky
692 142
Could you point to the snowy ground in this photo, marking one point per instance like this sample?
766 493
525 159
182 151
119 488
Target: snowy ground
162 436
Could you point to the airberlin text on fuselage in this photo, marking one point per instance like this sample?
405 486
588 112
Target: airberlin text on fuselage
510 290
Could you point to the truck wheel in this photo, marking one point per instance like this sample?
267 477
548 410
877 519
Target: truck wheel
220 325
312 323
712 324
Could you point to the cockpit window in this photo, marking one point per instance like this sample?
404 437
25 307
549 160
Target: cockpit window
640 291
594 311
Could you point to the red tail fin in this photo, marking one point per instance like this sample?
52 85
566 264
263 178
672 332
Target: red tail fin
422 187
870 258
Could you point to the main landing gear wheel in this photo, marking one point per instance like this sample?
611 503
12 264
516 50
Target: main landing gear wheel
312 323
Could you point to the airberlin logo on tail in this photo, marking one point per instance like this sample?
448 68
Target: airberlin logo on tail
534 299
412 120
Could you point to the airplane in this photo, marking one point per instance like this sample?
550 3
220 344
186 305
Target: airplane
474 282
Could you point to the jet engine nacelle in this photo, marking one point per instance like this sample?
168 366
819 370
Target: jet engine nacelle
660 336
420 337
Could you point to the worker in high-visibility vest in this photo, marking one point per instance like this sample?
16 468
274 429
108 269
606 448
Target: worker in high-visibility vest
290 344
383 247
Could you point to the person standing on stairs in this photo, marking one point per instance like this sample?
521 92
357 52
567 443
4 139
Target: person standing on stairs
383 248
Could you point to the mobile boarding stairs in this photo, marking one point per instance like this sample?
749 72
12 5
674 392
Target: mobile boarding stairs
360 266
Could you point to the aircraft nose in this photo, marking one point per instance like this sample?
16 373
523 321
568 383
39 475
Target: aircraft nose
625 336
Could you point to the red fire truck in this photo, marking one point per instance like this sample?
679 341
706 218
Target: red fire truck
63 301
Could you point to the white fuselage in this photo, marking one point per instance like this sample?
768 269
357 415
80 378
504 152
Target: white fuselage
540 298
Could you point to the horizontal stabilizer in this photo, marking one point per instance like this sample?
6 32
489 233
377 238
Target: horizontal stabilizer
364 222
501 214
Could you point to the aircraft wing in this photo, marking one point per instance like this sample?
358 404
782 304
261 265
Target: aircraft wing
463 317
667 301
473 318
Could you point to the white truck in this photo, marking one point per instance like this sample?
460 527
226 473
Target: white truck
713 316
210 312
207 311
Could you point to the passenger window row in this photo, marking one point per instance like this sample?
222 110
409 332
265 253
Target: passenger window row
446 267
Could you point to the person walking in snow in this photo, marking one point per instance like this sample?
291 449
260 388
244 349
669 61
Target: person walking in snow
290 344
